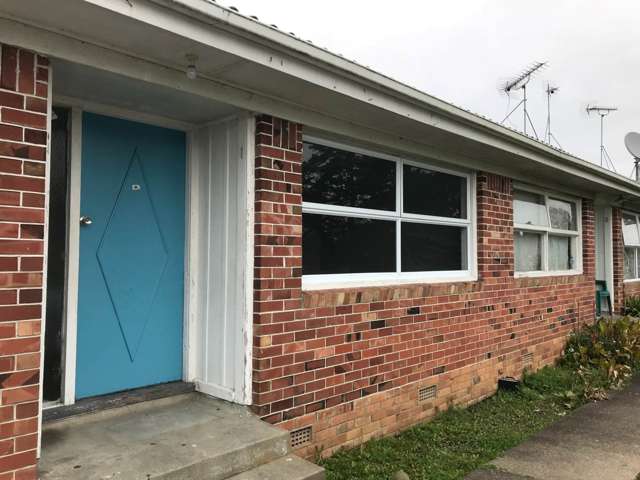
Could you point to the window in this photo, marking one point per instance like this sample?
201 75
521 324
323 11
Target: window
631 237
372 217
546 233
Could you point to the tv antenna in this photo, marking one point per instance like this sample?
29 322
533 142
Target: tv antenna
548 136
605 159
520 83
632 142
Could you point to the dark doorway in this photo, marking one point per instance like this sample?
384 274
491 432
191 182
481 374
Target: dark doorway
57 252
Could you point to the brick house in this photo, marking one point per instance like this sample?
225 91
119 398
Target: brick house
189 195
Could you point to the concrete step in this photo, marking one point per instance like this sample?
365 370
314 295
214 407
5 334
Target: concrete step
285 468
184 437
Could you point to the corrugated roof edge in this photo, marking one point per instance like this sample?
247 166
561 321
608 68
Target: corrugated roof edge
253 26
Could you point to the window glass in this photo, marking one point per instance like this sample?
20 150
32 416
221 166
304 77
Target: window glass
529 209
560 253
353 223
427 192
427 247
339 177
528 251
562 214
630 230
334 244
629 263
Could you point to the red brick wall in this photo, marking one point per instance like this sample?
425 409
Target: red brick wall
278 259
618 259
349 362
23 138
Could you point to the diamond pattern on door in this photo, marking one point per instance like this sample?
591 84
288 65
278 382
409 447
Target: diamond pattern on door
132 289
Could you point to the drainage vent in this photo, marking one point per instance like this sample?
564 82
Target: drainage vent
527 358
425 393
300 437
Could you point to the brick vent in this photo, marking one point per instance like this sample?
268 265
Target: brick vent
301 437
425 393
527 359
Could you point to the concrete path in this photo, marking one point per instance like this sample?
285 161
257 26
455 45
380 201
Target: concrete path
600 441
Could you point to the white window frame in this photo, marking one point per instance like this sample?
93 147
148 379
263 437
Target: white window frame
340 280
546 231
636 247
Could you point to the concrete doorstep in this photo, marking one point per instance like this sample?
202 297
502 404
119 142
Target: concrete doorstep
178 438
599 441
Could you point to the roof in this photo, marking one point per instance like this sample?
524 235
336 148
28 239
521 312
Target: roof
252 24
258 67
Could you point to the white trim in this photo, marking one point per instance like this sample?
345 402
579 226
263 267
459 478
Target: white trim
69 346
189 334
608 246
45 247
245 384
363 280
550 273
326 281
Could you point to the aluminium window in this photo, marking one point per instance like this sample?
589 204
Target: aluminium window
546 233
372 217
631 237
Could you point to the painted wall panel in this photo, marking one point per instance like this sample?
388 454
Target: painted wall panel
221 276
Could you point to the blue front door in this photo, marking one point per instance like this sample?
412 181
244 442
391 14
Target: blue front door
131 280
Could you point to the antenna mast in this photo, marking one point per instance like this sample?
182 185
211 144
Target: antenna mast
548 136
520 83
605 159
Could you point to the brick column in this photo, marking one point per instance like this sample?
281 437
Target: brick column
23 138
278 261
495 228
618 259
589 240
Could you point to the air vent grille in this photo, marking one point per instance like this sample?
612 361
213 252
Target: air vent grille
425 393
301 437
527 358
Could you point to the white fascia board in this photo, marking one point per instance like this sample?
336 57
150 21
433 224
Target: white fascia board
323 68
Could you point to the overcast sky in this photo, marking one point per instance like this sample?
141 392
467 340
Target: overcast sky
460 51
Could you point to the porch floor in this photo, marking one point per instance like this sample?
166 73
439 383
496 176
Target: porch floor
187 436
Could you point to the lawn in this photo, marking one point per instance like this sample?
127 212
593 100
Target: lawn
461 440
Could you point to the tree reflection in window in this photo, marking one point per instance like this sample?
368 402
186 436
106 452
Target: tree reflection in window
340 177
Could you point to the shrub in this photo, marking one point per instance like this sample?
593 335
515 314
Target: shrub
632 306
604 354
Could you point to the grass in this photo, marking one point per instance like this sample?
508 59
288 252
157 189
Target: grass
459 441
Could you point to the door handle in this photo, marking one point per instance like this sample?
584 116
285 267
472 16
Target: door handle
85 220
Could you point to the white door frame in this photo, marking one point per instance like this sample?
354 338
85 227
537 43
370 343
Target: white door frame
605 238
73 246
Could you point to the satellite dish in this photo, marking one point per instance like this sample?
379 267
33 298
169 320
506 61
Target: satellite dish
632 142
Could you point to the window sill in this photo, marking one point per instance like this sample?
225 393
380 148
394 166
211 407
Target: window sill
556 273
351 281
631 280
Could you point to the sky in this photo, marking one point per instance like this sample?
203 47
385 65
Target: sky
462 51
